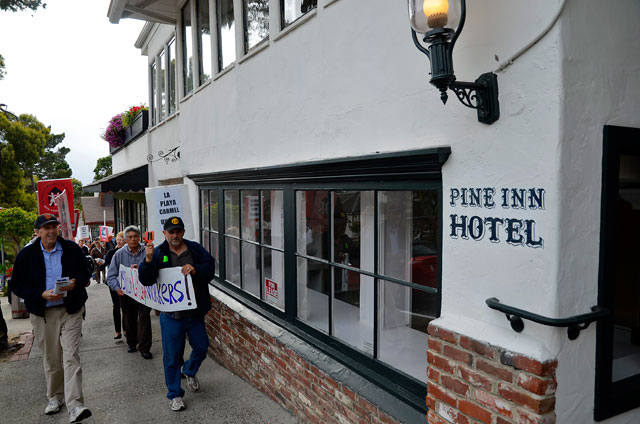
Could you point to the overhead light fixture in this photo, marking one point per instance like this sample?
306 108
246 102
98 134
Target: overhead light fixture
440 22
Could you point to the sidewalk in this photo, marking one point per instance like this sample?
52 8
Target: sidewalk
121 387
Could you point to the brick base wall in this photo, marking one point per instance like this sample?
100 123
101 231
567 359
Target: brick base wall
473 382
282 374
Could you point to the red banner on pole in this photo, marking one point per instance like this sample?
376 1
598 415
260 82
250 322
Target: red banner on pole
47 192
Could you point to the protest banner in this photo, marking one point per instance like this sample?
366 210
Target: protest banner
172 292
167 201
64 217
105 231
83 232
48 190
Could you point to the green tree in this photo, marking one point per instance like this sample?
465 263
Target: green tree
2 71
103 168
16 226
53 163
25 141
17 5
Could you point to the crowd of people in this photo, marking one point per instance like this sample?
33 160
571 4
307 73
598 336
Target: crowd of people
51 275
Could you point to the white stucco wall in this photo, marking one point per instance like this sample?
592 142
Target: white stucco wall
601 74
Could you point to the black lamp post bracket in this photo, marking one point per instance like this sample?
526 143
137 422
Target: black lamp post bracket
574 324
481 95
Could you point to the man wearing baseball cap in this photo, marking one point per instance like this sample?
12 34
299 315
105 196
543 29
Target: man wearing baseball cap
195 261
56 318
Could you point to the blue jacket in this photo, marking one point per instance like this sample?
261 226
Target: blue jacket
204 265
29 273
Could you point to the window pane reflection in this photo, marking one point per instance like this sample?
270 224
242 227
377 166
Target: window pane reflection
213 210
232 260
214 250
251 269
256 18
273 218
404 315
204 44
314 281
408 245
353 309
226 34
232 212
313 223
171 60
250 215
293 9
153 93
161 86
187 45
353 228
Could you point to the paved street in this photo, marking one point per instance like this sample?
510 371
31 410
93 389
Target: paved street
121 387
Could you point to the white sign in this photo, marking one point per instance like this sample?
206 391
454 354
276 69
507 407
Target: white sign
83 232
166 201
172 292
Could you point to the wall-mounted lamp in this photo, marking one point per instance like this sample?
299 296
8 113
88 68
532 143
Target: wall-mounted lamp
441 22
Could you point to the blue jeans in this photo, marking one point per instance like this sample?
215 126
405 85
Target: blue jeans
173 339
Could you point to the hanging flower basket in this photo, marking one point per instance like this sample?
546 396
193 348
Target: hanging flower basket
114 134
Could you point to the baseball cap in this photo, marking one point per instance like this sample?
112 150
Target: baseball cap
173 223
44 219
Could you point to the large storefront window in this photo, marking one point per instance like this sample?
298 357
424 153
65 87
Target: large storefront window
351 263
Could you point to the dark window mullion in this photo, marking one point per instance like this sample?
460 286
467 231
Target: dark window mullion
260 241
290 259
221 235
376 271
240 251
331 256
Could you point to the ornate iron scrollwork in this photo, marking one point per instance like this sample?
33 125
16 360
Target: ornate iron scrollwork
172 155
481 95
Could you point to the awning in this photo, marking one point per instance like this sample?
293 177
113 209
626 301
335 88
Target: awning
161 11
134 180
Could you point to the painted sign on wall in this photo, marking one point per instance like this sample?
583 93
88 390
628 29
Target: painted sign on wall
173 291
475 225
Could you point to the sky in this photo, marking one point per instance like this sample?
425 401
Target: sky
73 70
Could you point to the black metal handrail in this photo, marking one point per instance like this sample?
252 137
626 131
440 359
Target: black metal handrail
574 324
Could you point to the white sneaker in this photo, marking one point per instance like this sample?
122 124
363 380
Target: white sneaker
192 383
78 414
177 404
53 407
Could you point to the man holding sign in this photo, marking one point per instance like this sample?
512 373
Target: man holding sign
198 264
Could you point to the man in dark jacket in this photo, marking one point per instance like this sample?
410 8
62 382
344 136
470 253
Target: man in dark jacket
56 318
198 263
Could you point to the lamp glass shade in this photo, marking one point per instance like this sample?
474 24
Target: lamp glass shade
427 15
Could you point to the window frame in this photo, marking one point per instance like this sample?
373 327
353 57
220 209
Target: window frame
417 170
187 7
611 398
245 31
283 24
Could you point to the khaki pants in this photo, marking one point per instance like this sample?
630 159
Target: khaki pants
58 337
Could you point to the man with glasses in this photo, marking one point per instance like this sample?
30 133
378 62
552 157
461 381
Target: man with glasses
137 319
195 261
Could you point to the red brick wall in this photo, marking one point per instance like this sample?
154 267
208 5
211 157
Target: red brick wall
473 382
298 386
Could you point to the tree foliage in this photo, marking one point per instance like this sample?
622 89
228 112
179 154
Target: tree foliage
53 163
17 5
103 168
16 226
2 71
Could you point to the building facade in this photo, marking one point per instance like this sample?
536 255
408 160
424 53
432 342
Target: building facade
362 229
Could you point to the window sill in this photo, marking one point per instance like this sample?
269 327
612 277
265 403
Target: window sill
329 3
224 71
295 24
159 124
257 49
202 87
187 97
